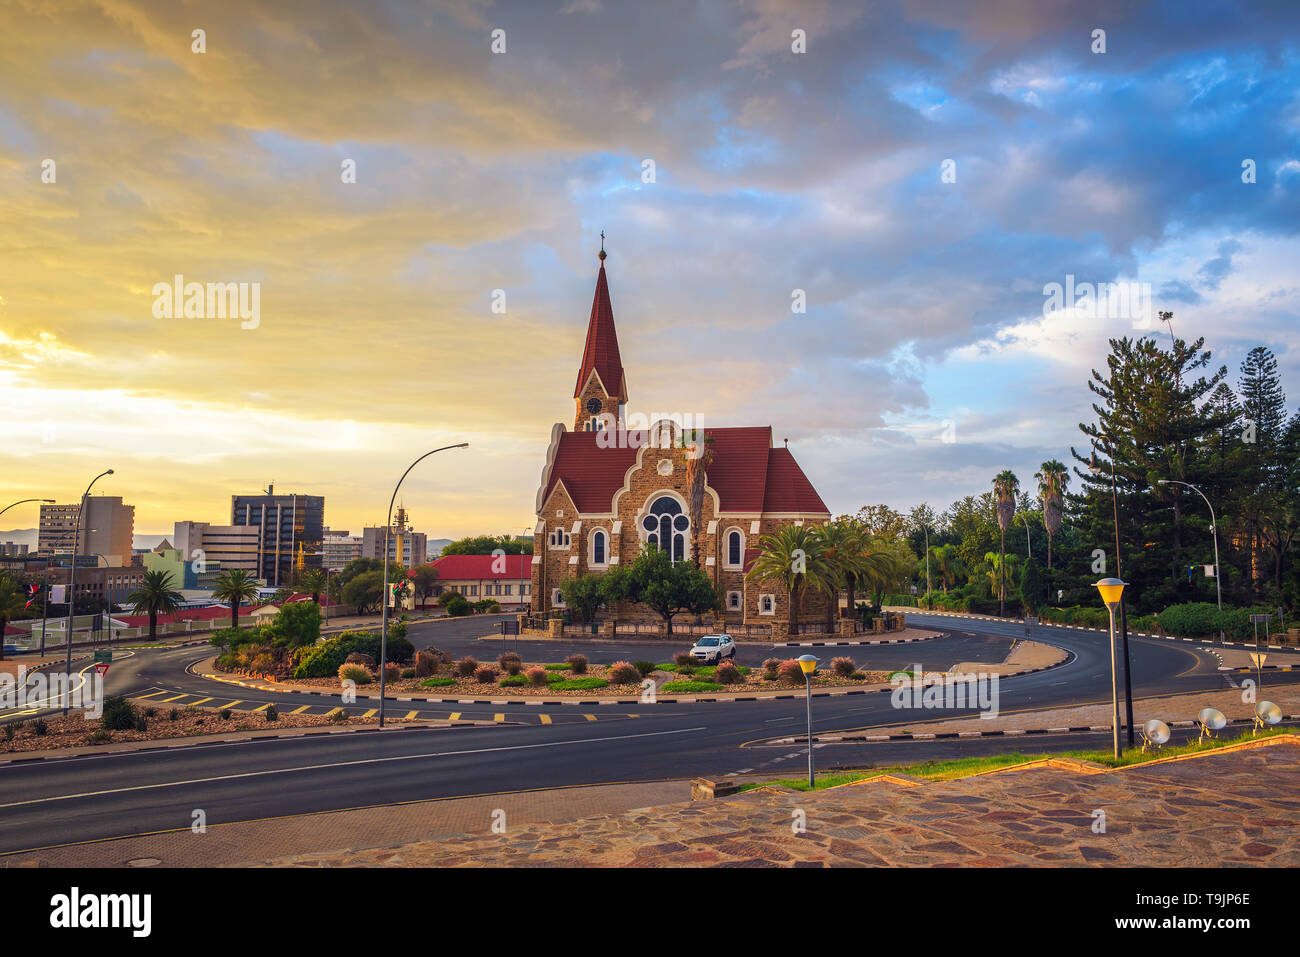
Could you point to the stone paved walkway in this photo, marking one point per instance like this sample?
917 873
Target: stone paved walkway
1229 808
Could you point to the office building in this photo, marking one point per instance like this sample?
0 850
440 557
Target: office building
290 530
107 529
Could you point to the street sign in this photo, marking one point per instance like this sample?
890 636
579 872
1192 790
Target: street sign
1260 619
1029 625
102 668
103 656
1258 658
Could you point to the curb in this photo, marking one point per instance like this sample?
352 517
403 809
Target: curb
836 644
839 738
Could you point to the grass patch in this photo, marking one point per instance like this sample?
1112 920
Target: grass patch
557 666
588 683
667 666
965 767
437 682
687 687
517 681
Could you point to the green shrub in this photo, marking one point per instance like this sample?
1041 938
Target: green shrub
150 712
39 727
510 663
645 667
688 687
485 675
682 658
355 673
458 607
119 714
173 714
101 736
537 676
408 672
392 672
9 731
426 664
466 666
589 683
272 714
561 666
770 667
577 664
338 717
790 671
437 682
666 666
513 681
225 714
727 673
843 667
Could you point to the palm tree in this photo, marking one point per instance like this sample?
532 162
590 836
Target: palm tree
1005 487
947 561
1052 480
12 604
792 557
697 456
235 586
313 583
839 544
155 596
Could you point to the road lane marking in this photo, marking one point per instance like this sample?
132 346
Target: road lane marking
232 704
177 698
151 694
371 713
498 717
347 764
544 718
333 711
590 717
200 701
409 715
300 710
455 716
263 707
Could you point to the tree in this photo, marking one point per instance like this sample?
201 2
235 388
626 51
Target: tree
365 591
948 563
697 455
583 595
13 602
791 556
1005 487
424 580
667 588
881 521
487 544
235 586
313 583
297 624
1053 478
154 597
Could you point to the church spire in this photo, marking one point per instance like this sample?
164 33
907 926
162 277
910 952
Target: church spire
606 390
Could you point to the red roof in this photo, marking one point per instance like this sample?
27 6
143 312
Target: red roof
601 352
747 473
476 567
210 613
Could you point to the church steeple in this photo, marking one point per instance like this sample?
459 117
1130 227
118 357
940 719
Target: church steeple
601 388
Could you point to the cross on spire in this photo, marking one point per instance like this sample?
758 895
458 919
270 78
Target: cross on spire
601 255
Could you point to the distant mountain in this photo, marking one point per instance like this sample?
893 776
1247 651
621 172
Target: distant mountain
20 536
436 545
147 542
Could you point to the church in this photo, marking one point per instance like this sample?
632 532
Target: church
607 491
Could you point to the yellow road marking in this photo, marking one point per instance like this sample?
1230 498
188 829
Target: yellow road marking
177 698
590 717
546 718
151 694
498 717
371 713
263 707
333 711
300 710
200 701
455 716
233 703
410 715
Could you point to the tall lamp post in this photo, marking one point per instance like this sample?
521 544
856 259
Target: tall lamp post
1214 529
72 581
22 501
1119 570
808 664
1112 593
383 628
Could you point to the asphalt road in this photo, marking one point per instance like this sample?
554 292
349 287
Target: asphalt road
113 795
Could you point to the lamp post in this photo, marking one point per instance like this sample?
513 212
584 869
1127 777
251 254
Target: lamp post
808 664
927 566
1119 570
72 581
22 501
383 595
45 590
1112 593
1214 530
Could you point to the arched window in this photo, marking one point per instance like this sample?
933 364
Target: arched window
598 547
735 548
666 526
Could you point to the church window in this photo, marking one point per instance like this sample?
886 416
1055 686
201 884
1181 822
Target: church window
599 548
735 548
666 526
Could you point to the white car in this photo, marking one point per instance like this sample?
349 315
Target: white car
711 649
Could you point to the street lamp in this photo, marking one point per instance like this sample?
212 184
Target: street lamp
383 628
808 664
21 501
1119 570
1214 529
1112 593
45 591
72 582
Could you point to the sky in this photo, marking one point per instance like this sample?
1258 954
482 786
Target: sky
919 170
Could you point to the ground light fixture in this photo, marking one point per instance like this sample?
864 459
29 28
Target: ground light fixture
808 664
1266 714
1210 720
1155 735
1112 590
